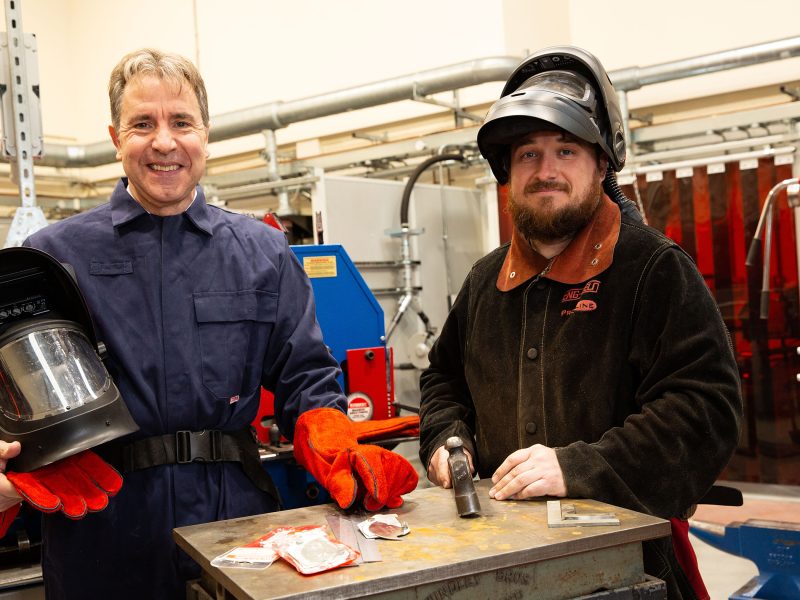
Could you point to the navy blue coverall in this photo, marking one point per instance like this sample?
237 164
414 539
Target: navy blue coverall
198 311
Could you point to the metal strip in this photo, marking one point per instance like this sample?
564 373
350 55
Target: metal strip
565 515
367 547
346 531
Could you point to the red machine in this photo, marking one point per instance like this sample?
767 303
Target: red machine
368 384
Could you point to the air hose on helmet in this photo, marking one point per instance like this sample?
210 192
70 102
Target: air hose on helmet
612 189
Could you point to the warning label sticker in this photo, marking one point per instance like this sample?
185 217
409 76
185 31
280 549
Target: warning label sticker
320 266
359 408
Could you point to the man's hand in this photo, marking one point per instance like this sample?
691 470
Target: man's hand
439 471
8 493
528 473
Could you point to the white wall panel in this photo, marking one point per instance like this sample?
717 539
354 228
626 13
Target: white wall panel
358 212
253 51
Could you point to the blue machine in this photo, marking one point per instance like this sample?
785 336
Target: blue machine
347 311
774 547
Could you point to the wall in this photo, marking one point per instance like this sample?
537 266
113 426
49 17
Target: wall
646 32
253 52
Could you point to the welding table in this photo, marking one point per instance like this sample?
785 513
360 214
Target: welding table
508 552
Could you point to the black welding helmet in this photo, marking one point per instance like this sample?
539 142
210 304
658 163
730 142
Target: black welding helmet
562 86
56 396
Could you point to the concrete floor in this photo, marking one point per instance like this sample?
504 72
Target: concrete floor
723 573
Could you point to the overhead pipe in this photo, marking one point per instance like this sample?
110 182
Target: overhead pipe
633 78
707 160
276 115
765 141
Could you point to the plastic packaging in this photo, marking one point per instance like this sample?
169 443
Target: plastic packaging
253 555
309 549
385 526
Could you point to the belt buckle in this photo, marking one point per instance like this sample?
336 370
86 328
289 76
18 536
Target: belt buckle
192 446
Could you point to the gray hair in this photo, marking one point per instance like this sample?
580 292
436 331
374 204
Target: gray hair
168 67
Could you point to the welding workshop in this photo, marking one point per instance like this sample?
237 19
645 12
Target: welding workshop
453 300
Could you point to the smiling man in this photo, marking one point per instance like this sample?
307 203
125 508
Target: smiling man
586 358
198 308
161 135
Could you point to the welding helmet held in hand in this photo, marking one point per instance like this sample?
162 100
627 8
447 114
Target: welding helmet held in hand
562 86
56 396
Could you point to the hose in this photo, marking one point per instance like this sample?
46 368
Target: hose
612 189
413 179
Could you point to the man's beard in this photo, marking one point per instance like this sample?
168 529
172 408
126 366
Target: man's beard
548 226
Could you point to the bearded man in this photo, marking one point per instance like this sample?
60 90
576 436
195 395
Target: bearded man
587 358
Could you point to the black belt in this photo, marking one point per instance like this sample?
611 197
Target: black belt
183 447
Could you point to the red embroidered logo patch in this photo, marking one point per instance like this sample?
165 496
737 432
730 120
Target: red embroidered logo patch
591 287
585 306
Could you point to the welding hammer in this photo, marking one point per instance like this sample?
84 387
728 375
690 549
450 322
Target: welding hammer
467 503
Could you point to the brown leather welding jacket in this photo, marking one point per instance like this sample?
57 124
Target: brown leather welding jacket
617 357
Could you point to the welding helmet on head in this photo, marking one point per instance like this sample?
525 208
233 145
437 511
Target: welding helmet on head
56 396
562 86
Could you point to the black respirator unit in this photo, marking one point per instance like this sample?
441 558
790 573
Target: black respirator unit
56 396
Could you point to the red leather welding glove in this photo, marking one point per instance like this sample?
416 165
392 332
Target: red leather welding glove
75 485
381 428
325 444
321 439
385 476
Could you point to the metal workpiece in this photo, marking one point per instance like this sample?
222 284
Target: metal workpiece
508 552
565 515
467 503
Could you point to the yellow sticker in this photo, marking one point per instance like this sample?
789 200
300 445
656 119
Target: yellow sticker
320 266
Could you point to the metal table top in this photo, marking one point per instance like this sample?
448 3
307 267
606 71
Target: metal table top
441 545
